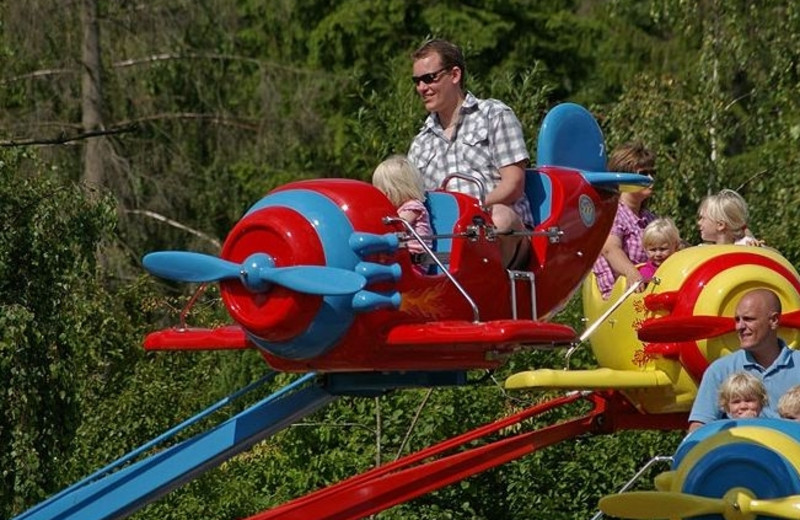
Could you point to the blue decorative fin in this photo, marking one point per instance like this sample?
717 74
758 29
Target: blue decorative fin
571 137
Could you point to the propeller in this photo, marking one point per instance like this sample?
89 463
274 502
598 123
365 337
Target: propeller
684 328
737 504
256 273
669 329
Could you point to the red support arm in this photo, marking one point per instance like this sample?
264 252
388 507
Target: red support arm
410 477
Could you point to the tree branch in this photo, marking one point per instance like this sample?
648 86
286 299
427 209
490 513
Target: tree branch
131 125
413 423
65 138
173 223
132 62
190 56
38 74
246 124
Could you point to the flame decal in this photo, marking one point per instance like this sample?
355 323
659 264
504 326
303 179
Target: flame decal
429 302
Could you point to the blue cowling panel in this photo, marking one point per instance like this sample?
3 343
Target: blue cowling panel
759 468
333 230
443 210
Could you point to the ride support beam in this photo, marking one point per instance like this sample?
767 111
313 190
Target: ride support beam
119 494
416 474
410 477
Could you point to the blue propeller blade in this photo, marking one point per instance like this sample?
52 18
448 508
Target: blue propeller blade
315 279
256 273
185 266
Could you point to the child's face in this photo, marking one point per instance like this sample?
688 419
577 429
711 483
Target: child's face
659 251
743 408
791 417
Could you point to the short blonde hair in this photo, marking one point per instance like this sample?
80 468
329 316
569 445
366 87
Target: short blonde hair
661 230
398 179
789 403
729 208
744 386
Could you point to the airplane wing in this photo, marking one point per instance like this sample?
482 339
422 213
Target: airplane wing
230 337
599 379
497 333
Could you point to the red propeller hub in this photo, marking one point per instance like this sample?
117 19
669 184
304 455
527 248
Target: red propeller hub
277 314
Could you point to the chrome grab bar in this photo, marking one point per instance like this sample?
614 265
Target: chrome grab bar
468 178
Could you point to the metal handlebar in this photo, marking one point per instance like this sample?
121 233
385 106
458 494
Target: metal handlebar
468 178
591 328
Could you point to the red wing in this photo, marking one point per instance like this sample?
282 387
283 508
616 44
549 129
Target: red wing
498 333
222 338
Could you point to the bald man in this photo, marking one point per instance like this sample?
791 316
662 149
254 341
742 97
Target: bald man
762 354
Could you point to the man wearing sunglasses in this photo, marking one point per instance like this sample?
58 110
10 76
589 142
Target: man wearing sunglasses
481 138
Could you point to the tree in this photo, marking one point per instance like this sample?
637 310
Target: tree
205 106
92 96
54 339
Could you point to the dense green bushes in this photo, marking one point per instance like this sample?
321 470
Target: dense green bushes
209 104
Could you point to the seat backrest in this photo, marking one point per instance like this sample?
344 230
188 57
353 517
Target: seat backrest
539 190
443 210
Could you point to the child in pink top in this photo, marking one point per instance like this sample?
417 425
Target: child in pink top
401 182
660 239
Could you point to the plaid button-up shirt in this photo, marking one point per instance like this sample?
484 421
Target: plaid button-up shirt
629 227
488 137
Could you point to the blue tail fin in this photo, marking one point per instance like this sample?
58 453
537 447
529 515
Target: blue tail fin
571 137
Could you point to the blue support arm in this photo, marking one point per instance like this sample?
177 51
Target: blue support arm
121 493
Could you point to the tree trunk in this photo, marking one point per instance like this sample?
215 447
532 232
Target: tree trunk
91 96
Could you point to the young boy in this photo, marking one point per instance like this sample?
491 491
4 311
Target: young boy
789 404
660 239
742 395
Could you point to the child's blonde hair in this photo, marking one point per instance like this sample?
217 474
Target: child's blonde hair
729 208
789 404
743 386
659 231
398 179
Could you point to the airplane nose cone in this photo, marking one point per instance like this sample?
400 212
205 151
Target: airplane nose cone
288 239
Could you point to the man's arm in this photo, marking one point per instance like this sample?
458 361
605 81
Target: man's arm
510 155
706 406
695 425
511 186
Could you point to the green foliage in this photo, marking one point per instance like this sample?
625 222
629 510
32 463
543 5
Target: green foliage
52 316
219 102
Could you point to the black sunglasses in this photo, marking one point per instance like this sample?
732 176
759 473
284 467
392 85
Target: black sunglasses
429 77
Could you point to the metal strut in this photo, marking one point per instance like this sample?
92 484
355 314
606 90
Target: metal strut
416 475
116 495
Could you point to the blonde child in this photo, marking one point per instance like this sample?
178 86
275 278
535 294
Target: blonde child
660 239
722 219
789 404
742 395
401 182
